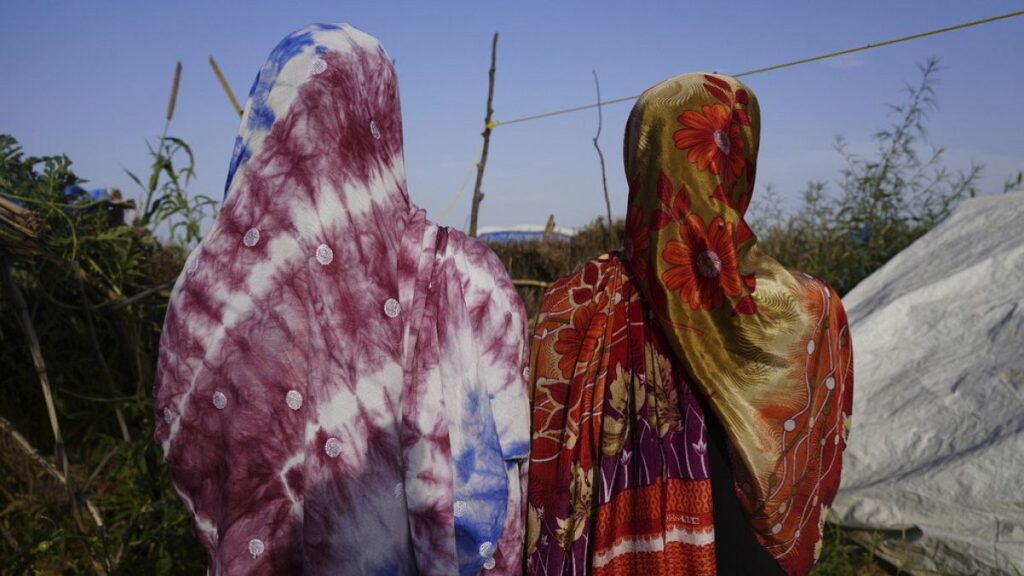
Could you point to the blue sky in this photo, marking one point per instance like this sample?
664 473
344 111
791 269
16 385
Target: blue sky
91 80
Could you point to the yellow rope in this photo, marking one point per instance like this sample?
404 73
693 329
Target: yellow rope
462 190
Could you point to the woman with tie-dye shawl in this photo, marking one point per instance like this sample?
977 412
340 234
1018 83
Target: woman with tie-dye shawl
640 356
341 383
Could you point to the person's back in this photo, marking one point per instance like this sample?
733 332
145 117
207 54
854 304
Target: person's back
340 387
691 395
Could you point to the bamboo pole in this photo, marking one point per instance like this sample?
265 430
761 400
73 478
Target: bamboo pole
478 194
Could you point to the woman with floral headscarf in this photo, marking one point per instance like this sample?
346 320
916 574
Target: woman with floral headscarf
341 382
690 395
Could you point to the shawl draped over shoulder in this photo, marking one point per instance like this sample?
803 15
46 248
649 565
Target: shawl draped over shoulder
341 383
632 351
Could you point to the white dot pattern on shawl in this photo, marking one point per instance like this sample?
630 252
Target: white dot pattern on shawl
332 447
392 308
293 399
830 383
317 66
168 416
251 238
526 373
374 130
777 528
489 564
789 425
220 401
460 508
256 547
324 254
486 549
810 346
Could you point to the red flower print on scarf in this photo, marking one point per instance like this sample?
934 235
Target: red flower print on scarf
743 231
678 204
704 267
714 141
636 243
725 197
722 90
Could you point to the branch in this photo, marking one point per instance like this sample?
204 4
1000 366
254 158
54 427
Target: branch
604 178
478 195
35 457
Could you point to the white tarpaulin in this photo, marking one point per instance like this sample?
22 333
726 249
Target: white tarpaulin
936 454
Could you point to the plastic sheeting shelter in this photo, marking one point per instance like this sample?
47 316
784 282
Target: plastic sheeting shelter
935 464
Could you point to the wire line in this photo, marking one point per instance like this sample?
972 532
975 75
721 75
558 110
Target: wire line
495 123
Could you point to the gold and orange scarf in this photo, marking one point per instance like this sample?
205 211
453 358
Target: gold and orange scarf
692 316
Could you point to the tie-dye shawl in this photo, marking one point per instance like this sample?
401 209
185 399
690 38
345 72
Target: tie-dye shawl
341 383
618 456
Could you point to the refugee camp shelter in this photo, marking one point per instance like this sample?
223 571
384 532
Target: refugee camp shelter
935 462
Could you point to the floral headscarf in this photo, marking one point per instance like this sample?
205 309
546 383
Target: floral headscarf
341 383
766 349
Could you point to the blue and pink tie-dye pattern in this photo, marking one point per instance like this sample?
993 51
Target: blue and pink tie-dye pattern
341 383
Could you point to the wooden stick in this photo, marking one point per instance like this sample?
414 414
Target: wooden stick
142 295
29 451
604 179
534 283
478 195
25 322
227 87
549 229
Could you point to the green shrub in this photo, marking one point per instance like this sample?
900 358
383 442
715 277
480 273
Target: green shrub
94 289
884 202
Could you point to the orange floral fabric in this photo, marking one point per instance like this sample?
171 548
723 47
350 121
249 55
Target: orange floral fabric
619 468
693 299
